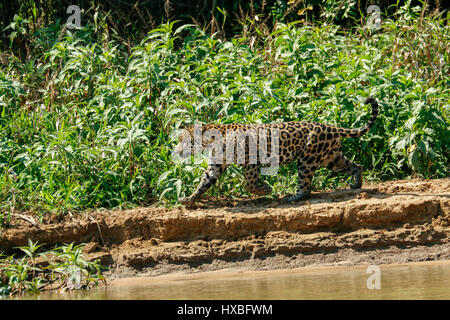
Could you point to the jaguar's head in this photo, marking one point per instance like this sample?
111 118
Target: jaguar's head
184 146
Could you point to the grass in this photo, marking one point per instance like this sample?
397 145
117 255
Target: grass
63 268
86 120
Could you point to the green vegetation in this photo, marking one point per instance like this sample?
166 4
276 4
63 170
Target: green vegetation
61 268
86 115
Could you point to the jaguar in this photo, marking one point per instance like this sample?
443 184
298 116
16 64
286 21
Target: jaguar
310 144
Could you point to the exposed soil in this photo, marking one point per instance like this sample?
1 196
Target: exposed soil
391 222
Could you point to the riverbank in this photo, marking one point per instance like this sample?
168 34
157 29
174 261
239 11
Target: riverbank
391 222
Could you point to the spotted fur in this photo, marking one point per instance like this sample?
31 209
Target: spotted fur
311 144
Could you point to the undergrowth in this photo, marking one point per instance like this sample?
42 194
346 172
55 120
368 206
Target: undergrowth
62 268
86 119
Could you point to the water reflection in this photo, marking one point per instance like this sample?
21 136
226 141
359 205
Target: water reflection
415 281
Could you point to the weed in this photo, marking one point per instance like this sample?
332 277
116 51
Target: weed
62 268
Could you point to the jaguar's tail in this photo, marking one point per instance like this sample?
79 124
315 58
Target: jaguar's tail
355 133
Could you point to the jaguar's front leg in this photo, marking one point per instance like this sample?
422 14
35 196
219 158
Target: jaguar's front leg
209 178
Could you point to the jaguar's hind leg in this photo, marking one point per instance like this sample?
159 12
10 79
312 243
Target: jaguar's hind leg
340 163
209 178
305 175
254 184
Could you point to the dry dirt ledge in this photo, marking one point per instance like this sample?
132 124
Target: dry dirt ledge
392 222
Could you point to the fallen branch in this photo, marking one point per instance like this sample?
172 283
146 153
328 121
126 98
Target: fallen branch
25 217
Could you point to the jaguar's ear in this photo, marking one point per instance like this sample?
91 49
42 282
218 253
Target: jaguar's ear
190 129
185 133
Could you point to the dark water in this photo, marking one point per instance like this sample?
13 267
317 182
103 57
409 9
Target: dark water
410 281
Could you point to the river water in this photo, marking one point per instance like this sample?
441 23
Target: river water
424 280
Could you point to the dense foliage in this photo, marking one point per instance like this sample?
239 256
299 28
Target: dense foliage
86 118
131 19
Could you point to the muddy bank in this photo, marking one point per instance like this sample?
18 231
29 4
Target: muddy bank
391 222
